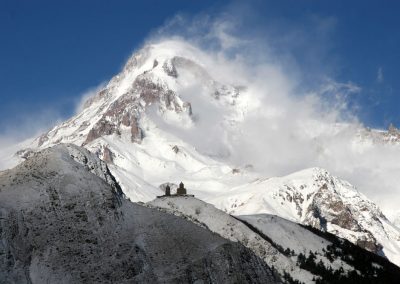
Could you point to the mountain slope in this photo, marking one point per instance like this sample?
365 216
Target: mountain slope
63 219
228 227
298 254
332 259
166 118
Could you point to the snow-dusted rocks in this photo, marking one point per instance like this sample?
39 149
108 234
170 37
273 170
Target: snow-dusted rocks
149 78
64 220
391 136
315 197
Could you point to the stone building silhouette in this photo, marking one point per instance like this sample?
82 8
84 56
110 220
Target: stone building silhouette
181 189
167 190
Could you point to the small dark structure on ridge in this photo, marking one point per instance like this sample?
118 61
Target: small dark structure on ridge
181 189
167 191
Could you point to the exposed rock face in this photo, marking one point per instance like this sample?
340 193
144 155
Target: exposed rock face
337 212
314 197
170 69
42 139
101 128
63 219
25 153
127 109
147 79
329 207
390 136
146 89
107 155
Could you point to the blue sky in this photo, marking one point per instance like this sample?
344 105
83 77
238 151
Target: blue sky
53 51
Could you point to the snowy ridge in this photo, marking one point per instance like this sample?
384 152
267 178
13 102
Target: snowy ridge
314 197
230 228
299 239
296 252
391 136
332 253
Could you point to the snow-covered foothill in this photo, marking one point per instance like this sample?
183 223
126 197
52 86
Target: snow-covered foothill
63 220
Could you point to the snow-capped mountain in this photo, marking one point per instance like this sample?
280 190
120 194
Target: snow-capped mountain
145 124
125 123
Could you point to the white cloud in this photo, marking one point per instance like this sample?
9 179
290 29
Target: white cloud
24 126
79 105
294 120
31 123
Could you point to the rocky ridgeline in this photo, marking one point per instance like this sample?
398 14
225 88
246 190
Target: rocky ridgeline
314 197
121 104
390 136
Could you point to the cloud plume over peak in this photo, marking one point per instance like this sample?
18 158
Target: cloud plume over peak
296 115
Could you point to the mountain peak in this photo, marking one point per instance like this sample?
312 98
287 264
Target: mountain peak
154 77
